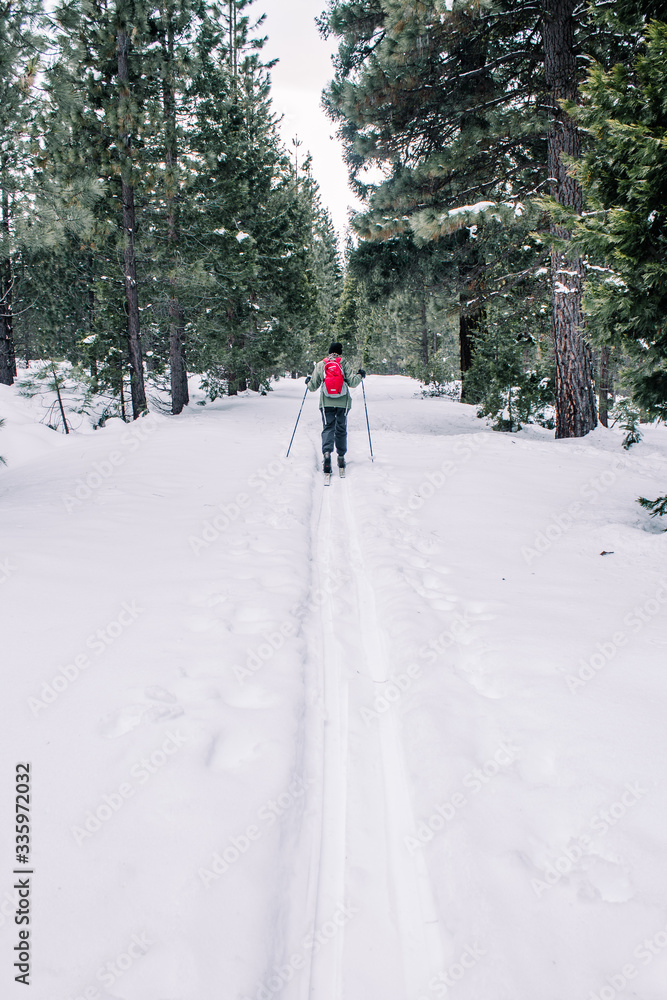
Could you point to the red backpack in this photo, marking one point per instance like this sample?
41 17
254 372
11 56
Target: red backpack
334 379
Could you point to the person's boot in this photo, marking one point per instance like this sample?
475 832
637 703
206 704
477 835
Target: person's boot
341 461
326 465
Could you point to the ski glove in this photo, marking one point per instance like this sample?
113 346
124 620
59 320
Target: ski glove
308 378
362 373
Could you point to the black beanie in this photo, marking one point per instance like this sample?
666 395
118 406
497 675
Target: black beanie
335 348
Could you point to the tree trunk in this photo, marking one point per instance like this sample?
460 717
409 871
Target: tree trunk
424 329
7 353
605 385
478 88
470 323
575 398
122 392
91 315
180 396
129 223
60 398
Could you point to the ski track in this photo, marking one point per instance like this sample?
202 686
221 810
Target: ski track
358 856
326 967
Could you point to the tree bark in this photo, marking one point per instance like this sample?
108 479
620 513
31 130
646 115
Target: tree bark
91 315
478 87
60 398
129 224
605 385
424 329
575 397
470 323
180 396
122 391
7 352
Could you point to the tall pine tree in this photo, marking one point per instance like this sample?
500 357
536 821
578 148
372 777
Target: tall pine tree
20 46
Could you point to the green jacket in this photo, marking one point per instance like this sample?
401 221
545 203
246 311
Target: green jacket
351 382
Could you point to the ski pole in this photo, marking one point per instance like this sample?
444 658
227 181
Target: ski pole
297 421
367 424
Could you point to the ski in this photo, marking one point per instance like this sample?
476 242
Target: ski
327 478
341 471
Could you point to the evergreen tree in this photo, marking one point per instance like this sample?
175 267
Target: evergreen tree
461 110
99 90
423 96
172 25
162 192
624 231
20 46
576 412
256 218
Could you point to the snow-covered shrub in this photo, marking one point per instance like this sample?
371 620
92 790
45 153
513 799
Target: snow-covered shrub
628 416
437 377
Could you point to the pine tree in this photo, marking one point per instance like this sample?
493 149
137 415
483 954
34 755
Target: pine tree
460 108
20 46
161 191
98 87
255 219
128 20
422 95
171 23
624 231
576 412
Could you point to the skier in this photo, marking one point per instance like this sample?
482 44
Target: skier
334 376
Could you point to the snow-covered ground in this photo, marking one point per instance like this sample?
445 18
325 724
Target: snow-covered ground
400 738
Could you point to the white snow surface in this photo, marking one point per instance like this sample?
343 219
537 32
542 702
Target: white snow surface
398 738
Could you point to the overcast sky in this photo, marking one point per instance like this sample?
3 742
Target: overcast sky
298 80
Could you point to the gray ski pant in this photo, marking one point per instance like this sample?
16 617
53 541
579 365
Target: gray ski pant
334 429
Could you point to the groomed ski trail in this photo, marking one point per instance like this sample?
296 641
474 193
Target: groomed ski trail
385 938
327 965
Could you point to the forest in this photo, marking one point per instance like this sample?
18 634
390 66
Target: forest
387 727
510 158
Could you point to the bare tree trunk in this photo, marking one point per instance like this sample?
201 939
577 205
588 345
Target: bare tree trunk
91 314
180 396
575 397
470 323
129 226
479 88
606 383
122 390
424 329
7 352
60 398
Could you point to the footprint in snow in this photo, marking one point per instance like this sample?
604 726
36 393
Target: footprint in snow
200 623
488 687
608 882
236 750
160 694
208 600
164 707
429 586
